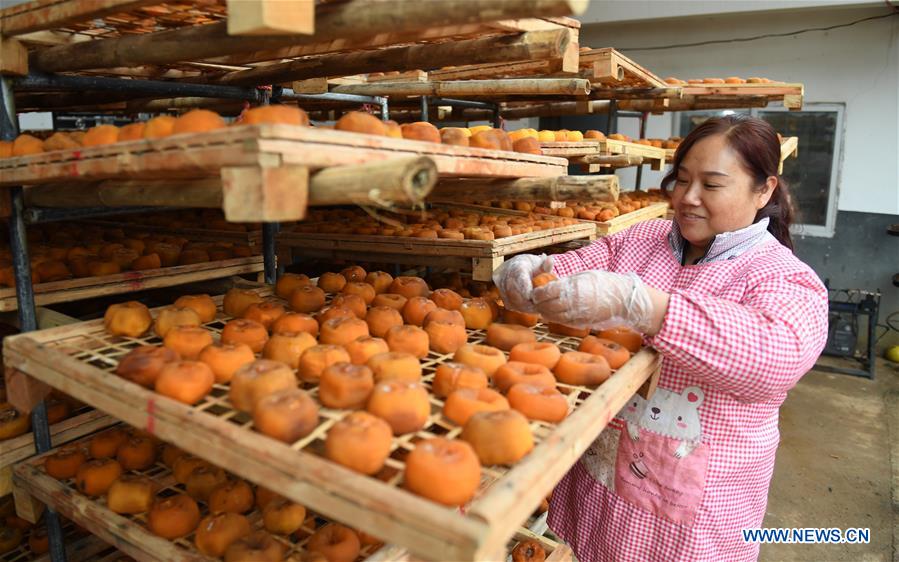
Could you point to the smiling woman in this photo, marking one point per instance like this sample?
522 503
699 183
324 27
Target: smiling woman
725 179
738 319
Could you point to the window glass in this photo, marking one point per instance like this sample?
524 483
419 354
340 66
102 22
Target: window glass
811 174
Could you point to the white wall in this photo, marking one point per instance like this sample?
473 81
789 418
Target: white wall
858 66
608 11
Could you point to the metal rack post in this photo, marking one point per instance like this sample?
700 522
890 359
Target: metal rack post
424 108
43 81
639 179
269 229
27 314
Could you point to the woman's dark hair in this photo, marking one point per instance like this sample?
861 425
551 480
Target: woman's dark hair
759 147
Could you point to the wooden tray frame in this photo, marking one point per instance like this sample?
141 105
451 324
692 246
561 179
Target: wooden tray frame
264 169
130 281
129 534
376 507
604 228
610 68
568 64
79 547
789 147
482 257
193 155
252 238
791 94
622 222
575 150
14 450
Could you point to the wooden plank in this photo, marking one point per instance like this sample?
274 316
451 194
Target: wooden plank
69 358
560 188
532 45
23 391
599 161
437 246
436 261
565 62
13 57
602 153
477 88
47 14
265 193
271 17
310 86
622 222
130 281
413 75
609 66
344 20
19 448
28 507
244 237
499 70
205 154
778 89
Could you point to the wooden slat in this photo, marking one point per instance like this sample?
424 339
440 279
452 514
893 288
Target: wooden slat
561 188
610 67
243 237
48 14
563 63
777 89
271 17
344 20
596 151
130 281
205 154
622 222
527 46
437 246
474 88
19 448
789 147
13 57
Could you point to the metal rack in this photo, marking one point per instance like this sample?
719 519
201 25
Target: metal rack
843 333
20 215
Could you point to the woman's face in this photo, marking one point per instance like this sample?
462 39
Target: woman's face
714 193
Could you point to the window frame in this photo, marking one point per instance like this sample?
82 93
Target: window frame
803 229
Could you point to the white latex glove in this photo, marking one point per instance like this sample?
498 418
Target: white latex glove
513 279
596 300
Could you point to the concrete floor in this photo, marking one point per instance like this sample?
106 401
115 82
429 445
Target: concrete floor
838 465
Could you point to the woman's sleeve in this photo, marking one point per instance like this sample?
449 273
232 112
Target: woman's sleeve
755 350
597 255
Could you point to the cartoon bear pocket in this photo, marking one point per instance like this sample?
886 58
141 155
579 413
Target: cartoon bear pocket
651 476
661 462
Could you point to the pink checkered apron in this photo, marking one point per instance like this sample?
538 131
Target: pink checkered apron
678 476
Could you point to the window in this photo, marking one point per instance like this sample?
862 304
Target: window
813 175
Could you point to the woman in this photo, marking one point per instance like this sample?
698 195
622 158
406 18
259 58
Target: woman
738 320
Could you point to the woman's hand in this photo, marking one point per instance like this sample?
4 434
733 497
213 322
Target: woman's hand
599 299
513 279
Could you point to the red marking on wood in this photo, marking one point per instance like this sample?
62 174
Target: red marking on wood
151 421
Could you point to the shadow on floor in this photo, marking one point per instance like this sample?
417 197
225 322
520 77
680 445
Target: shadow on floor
838 466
